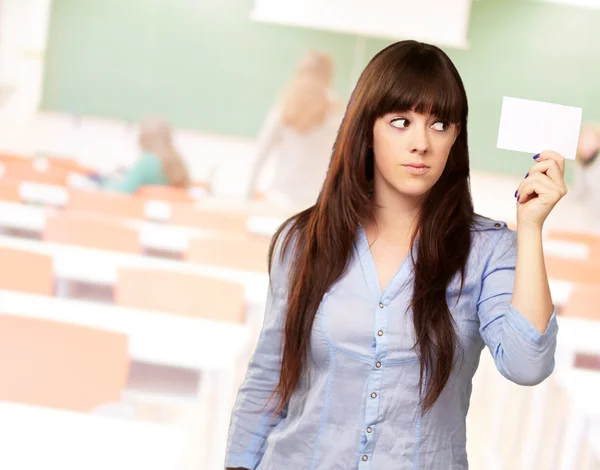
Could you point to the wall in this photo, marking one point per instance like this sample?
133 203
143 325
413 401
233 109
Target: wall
206 66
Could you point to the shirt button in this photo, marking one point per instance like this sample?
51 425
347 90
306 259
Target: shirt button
497 225
373 395
380 333
381 305
369 429
378 365
365 458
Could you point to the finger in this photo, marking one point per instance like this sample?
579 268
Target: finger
526 183
541 186
551 155
549 168
532 189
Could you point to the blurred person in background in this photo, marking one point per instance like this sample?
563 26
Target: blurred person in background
384 293
586 186
159 163
300 130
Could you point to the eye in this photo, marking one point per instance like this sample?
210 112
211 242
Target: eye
440 126
400 123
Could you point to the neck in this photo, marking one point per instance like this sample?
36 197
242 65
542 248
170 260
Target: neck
395 216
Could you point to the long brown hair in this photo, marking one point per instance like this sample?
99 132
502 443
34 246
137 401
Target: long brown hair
306 103
406 75
156 136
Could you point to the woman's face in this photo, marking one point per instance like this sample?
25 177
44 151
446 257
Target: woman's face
411 151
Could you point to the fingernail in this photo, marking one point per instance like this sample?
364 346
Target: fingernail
516 192
526 175
535 157
519 198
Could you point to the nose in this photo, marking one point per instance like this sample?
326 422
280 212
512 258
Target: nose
420 140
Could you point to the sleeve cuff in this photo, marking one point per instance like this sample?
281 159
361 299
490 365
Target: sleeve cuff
528 331
243 460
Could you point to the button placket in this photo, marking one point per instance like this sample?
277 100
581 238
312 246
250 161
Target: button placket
374 384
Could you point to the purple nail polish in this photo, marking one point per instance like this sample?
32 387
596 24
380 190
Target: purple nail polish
519 198
516 192
526 175
535 157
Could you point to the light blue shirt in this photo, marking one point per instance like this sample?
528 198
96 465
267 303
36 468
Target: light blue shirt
357 404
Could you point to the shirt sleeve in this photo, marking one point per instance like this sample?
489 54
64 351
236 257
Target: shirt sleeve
521 353
253 417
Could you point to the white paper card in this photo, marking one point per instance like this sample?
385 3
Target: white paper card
534 126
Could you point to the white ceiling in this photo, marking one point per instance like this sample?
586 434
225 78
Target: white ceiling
442 22
593 4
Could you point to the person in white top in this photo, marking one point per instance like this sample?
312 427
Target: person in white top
300 131
586 186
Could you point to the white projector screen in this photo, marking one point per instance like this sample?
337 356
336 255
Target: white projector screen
441 22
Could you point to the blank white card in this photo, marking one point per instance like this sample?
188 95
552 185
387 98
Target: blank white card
534 126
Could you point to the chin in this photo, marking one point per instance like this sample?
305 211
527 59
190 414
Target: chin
414 188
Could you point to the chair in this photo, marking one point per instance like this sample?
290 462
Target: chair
9 191
184 214
164 193
110 203
573 270
592 240
90 232
247 252
60 365
24 271
180 293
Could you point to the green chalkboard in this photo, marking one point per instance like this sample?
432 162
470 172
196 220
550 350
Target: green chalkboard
205 65
202 63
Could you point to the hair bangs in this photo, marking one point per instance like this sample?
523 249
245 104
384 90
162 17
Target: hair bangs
424 84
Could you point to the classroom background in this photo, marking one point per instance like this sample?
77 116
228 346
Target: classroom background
135 217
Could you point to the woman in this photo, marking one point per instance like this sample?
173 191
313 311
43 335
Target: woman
587 170
385 292
159 163
300 130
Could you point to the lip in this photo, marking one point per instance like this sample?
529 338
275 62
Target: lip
416 168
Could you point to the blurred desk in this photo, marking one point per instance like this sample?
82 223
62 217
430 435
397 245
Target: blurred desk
212 348
100 267
565 249
594 439
578 335
153 235
35 438
154 337
583 389
95 266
